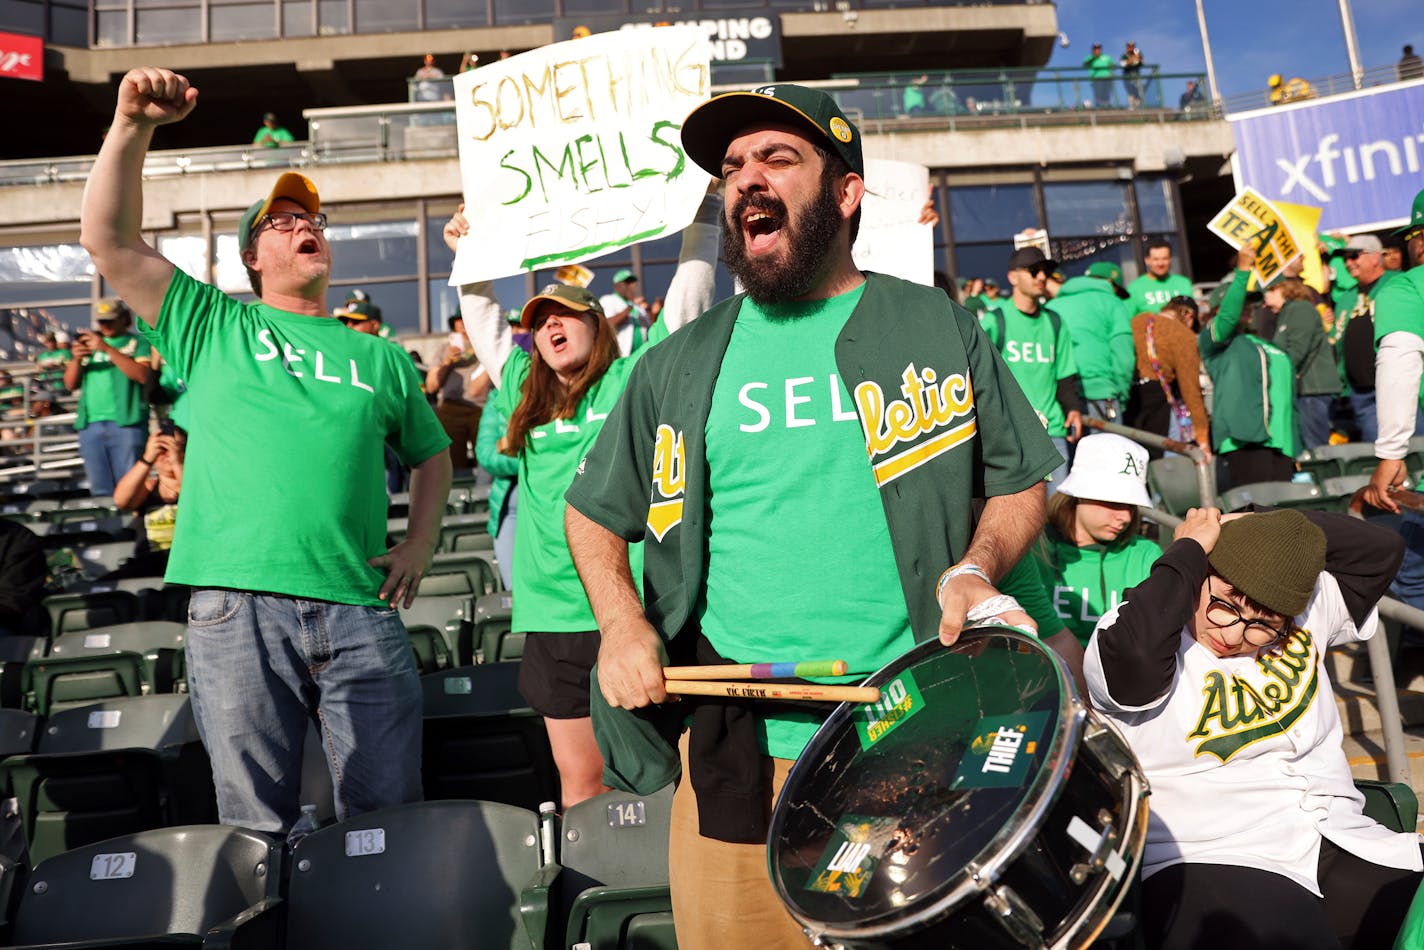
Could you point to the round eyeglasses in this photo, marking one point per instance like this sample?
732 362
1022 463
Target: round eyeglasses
1258 633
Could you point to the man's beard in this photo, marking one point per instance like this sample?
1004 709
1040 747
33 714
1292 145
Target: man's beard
806 244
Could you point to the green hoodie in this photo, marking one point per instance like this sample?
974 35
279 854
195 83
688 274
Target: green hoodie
1087 582
1101 330
1255 382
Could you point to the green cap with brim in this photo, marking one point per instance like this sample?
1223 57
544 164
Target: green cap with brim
575 298
1416 217
1105 270
292 186
623 275
361 310
710 128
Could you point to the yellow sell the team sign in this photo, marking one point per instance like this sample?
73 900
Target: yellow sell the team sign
1250 217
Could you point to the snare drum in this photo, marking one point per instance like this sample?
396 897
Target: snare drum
978 805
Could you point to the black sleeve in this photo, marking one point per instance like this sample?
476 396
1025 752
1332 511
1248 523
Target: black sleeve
1139 650
1070 395
1362 557
23 569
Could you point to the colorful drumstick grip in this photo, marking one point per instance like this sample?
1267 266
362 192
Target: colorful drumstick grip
809 692
758 671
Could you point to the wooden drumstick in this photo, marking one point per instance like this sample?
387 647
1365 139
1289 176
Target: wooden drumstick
758 671
809 691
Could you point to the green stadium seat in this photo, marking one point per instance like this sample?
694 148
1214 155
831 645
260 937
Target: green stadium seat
445 582
494 615
428 874
51 684
396 529
1339 490
1392 804
432 653
478 565
448 613
466 533
1174 480
1275 494
481 741
187 886
1331 461
613 854
159 642
18 731
83 610
111 768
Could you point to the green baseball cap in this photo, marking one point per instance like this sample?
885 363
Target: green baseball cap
710 128
1416 217
292 186
361 310
623 275
575 298
1105 270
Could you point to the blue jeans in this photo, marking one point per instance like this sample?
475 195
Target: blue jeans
1363 405
1061 472
504 539
1408 583
109 451
1312 419
261 666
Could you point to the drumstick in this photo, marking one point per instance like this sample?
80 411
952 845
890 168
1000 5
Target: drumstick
758 671
810 691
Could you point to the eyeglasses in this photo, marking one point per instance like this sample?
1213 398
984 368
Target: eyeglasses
1258 633
287 220
1350 255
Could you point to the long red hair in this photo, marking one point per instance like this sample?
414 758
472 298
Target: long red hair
544 397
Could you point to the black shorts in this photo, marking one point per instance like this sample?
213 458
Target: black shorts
554 672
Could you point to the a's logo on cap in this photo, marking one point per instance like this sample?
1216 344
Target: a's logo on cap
840 128
766 91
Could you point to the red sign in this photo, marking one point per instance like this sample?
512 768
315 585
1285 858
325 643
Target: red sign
21 57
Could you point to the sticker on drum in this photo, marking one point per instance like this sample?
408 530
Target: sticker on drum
852 855
899 700
1000 751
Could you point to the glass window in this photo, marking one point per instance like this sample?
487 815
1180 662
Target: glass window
228 272
1154 205
511 292
1087 207
1075 255
111 28
990 261
991 212
399 303
23 16
189 253
381 16
523 11
454 14
297 18
378 249
73 315
168 26
334 17
251 21
69 25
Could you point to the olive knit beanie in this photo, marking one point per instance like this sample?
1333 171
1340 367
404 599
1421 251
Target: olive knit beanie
1273 558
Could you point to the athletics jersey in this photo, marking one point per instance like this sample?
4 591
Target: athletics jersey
1244 754
784 449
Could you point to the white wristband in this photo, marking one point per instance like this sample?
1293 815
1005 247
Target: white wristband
957 570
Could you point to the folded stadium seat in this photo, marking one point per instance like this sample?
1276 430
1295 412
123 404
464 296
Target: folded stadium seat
466 533
613 852
157 599
18 731
443 583
396 529
53 684
67 513
82 610
476 500
493 616
482 741
90 530
159 642
1329 461
1392 804
164 887
448 613
93 502
1174 480
1276 494
104 557
432 654
1339 490
111 768
15 653
479 565
432 874
398 505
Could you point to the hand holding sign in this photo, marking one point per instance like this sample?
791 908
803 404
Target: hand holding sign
1254 220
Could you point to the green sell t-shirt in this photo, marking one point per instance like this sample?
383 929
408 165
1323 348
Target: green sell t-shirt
549 598
1147 294
784 447
284 480
106 394
1086 582
1400 306
1035 358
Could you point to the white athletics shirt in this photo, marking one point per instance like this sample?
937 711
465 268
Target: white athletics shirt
1244 755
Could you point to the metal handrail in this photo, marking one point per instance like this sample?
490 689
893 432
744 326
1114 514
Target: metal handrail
1320 88
1205 471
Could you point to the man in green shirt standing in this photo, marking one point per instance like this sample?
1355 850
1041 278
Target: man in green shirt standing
1101 329
1037 346
825 416
272 134
1100 70
109 369
281 529
1150 292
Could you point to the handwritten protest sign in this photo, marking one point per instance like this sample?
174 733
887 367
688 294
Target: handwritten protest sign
891 239
1250 217
572 151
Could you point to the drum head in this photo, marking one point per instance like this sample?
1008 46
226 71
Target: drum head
890 810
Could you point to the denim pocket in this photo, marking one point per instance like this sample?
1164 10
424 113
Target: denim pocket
210 606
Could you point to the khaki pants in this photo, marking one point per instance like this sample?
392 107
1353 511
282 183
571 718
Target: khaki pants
722 895
462 424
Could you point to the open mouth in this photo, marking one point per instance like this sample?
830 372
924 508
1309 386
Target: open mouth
558 341
309 246
761 229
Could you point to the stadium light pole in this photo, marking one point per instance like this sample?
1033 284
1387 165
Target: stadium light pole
1206 49
1352 43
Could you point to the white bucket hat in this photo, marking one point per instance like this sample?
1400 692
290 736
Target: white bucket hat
1109 468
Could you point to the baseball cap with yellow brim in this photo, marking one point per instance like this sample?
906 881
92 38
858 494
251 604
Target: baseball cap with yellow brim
292 186
1416 218
575 298
710 128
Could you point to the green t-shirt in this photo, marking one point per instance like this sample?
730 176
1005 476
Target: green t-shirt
1147 294
1086 582
284 480
106 394
1099 66
271 138
1400 306
549 598
1035 358
784 447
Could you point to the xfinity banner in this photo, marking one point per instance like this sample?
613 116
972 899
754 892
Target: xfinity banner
734 39
1358 156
